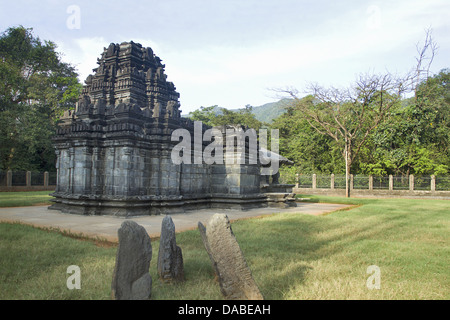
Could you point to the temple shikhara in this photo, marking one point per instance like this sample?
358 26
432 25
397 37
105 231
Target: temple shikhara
114 149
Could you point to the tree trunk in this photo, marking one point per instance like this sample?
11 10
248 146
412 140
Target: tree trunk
348 164
347 177
10 158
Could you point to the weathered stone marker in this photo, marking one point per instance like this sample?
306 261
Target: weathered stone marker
235 278
202 230
170 257
131 279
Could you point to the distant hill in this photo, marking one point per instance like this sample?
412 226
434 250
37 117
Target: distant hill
269 111
265 113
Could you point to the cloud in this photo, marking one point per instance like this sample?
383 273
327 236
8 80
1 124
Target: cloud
330 46
82 53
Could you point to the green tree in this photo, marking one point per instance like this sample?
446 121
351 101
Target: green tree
310 151
35 89
351 115
207 115
415 140
215 116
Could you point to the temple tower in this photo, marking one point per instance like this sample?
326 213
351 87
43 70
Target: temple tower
114 150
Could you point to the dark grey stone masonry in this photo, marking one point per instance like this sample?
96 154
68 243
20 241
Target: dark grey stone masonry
114 150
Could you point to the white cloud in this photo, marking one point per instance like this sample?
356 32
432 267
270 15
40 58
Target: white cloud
330 49
82 53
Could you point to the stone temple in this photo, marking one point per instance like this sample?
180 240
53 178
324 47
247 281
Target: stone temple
114 150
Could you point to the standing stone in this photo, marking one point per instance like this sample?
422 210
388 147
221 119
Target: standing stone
235 278
131 279
202 230
170 257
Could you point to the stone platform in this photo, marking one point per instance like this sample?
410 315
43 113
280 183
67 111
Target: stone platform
106 226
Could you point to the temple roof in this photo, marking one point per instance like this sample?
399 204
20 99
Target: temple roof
131 73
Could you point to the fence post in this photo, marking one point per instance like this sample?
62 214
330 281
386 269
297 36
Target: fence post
28 178
46 176
332 181
296 180
351 182
314 181
433 183
411 182
370 182
391 182
9 178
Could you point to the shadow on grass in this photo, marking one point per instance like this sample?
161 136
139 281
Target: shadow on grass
281 249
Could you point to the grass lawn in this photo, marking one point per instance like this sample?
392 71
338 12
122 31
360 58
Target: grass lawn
292 256
22 199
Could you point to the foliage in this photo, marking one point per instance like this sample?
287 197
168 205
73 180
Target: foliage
210 117
206 115
269 111
299 142
413 137
35 90
415 140
376 131
350 115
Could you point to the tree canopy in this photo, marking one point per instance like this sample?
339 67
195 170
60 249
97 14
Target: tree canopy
351 116
215 116
35 89
413 138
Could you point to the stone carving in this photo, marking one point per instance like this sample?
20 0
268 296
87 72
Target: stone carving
170 257
128 103
278 195
235 278
202 230
131 278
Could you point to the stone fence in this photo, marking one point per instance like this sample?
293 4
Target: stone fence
27 181
367 185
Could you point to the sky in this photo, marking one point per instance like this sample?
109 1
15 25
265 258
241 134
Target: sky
233 53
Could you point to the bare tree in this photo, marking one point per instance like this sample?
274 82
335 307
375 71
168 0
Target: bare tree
425 58
349 115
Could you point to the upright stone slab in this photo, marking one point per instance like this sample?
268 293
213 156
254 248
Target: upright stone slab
235 278
131 279
170 257
202 230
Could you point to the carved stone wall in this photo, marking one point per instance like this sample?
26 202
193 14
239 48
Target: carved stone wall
114 151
